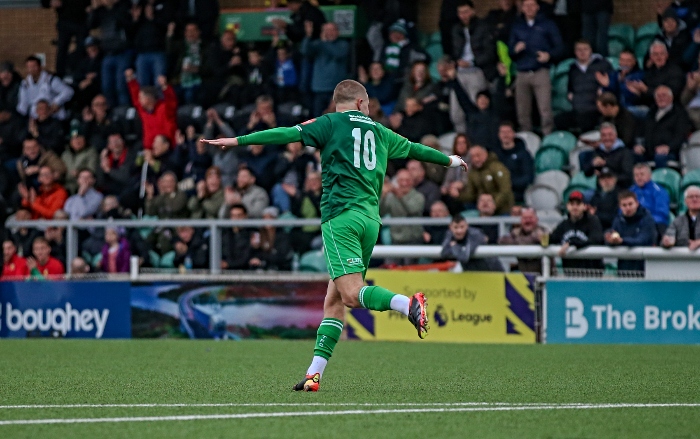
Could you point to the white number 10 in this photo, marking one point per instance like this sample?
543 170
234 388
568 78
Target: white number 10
370 149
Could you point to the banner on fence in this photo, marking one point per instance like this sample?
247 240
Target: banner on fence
623 312
257 25
65 309
463 307
238 310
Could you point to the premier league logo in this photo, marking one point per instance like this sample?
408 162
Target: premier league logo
440 315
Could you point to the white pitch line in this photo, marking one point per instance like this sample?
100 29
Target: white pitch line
260 404
331 413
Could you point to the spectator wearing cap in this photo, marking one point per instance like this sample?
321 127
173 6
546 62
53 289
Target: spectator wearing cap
513 153
488 176
86 201
651 196
14 266
528 232
535 43
684 231
87 80
76 157
46 129
71 20
610 111
399 52
579 230
675 35
666 129
660 71
611 153
41 85
473 49
47 199
583 89
633 227
158 116
604 203
10 122
115 23
150 24
619 81
329 55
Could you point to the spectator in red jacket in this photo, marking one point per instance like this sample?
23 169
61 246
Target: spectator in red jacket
14 266
50 197
157 116
42 264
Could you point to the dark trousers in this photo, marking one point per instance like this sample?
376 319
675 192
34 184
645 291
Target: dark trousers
66 31
595 29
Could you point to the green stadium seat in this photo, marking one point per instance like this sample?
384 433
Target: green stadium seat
95 261
287 215
560 139
580 180
690 179
622 32
434 50
434 70
154 258
470 213
615 47
614 62
562 69
435 38
313 261
670 180
550 158
641 47
560 104
167 260
648 30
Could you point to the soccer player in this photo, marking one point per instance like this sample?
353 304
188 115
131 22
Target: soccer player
354 154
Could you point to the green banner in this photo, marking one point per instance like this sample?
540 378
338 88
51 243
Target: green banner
256 25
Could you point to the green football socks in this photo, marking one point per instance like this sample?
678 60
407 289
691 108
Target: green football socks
327 337
376 298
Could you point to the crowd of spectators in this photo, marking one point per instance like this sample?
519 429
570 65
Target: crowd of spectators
113 130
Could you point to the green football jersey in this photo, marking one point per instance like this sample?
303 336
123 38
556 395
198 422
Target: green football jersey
354 154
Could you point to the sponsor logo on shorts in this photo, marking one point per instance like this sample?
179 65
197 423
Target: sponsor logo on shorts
354 261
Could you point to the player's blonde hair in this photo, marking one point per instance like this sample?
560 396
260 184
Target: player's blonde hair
348 91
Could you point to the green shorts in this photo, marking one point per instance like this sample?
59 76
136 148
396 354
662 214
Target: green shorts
349 239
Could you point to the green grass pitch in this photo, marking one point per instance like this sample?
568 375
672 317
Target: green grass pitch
370 389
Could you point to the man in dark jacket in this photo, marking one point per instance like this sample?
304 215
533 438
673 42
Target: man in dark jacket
203 12
675 35
501 19
46 129
461 243
611 111
414 123
514 155
10 121
661 72
595 21
613 154
87 81
115 24
236 251
473 49
535 43
191 249
633 227
70 23
583 89
604 203
579 230
666 129
480 117
150 26
301 12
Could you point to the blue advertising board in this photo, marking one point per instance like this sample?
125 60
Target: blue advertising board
623 312
65 309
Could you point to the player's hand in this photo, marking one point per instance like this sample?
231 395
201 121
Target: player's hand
223 143
456 161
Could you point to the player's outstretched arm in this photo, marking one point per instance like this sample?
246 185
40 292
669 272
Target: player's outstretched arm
424 153
274 136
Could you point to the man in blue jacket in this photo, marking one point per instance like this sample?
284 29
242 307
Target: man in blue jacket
633 227
534 44
651 196
330 59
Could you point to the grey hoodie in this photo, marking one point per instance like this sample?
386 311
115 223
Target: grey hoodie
464 250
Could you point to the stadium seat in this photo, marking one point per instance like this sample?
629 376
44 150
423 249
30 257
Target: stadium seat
292 112
692 178
615 47
563 140
470 213
95 261
434 70
435 38
614 61
313 261
557 180
641 47
126 120
622 32
434 50
287 216
226 111
549 158
581 180
541 197
648 30
670 180
690 157
532 141
154 258
574 160
562 69
191 115
446 142
167 260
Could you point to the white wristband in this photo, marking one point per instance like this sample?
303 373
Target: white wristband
455 161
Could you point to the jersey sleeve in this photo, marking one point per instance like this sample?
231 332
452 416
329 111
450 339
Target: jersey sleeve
400 148
274 136
397 146
316 132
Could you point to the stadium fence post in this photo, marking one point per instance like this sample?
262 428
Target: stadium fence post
71 246
215 249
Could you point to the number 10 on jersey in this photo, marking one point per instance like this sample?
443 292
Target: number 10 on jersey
370 149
